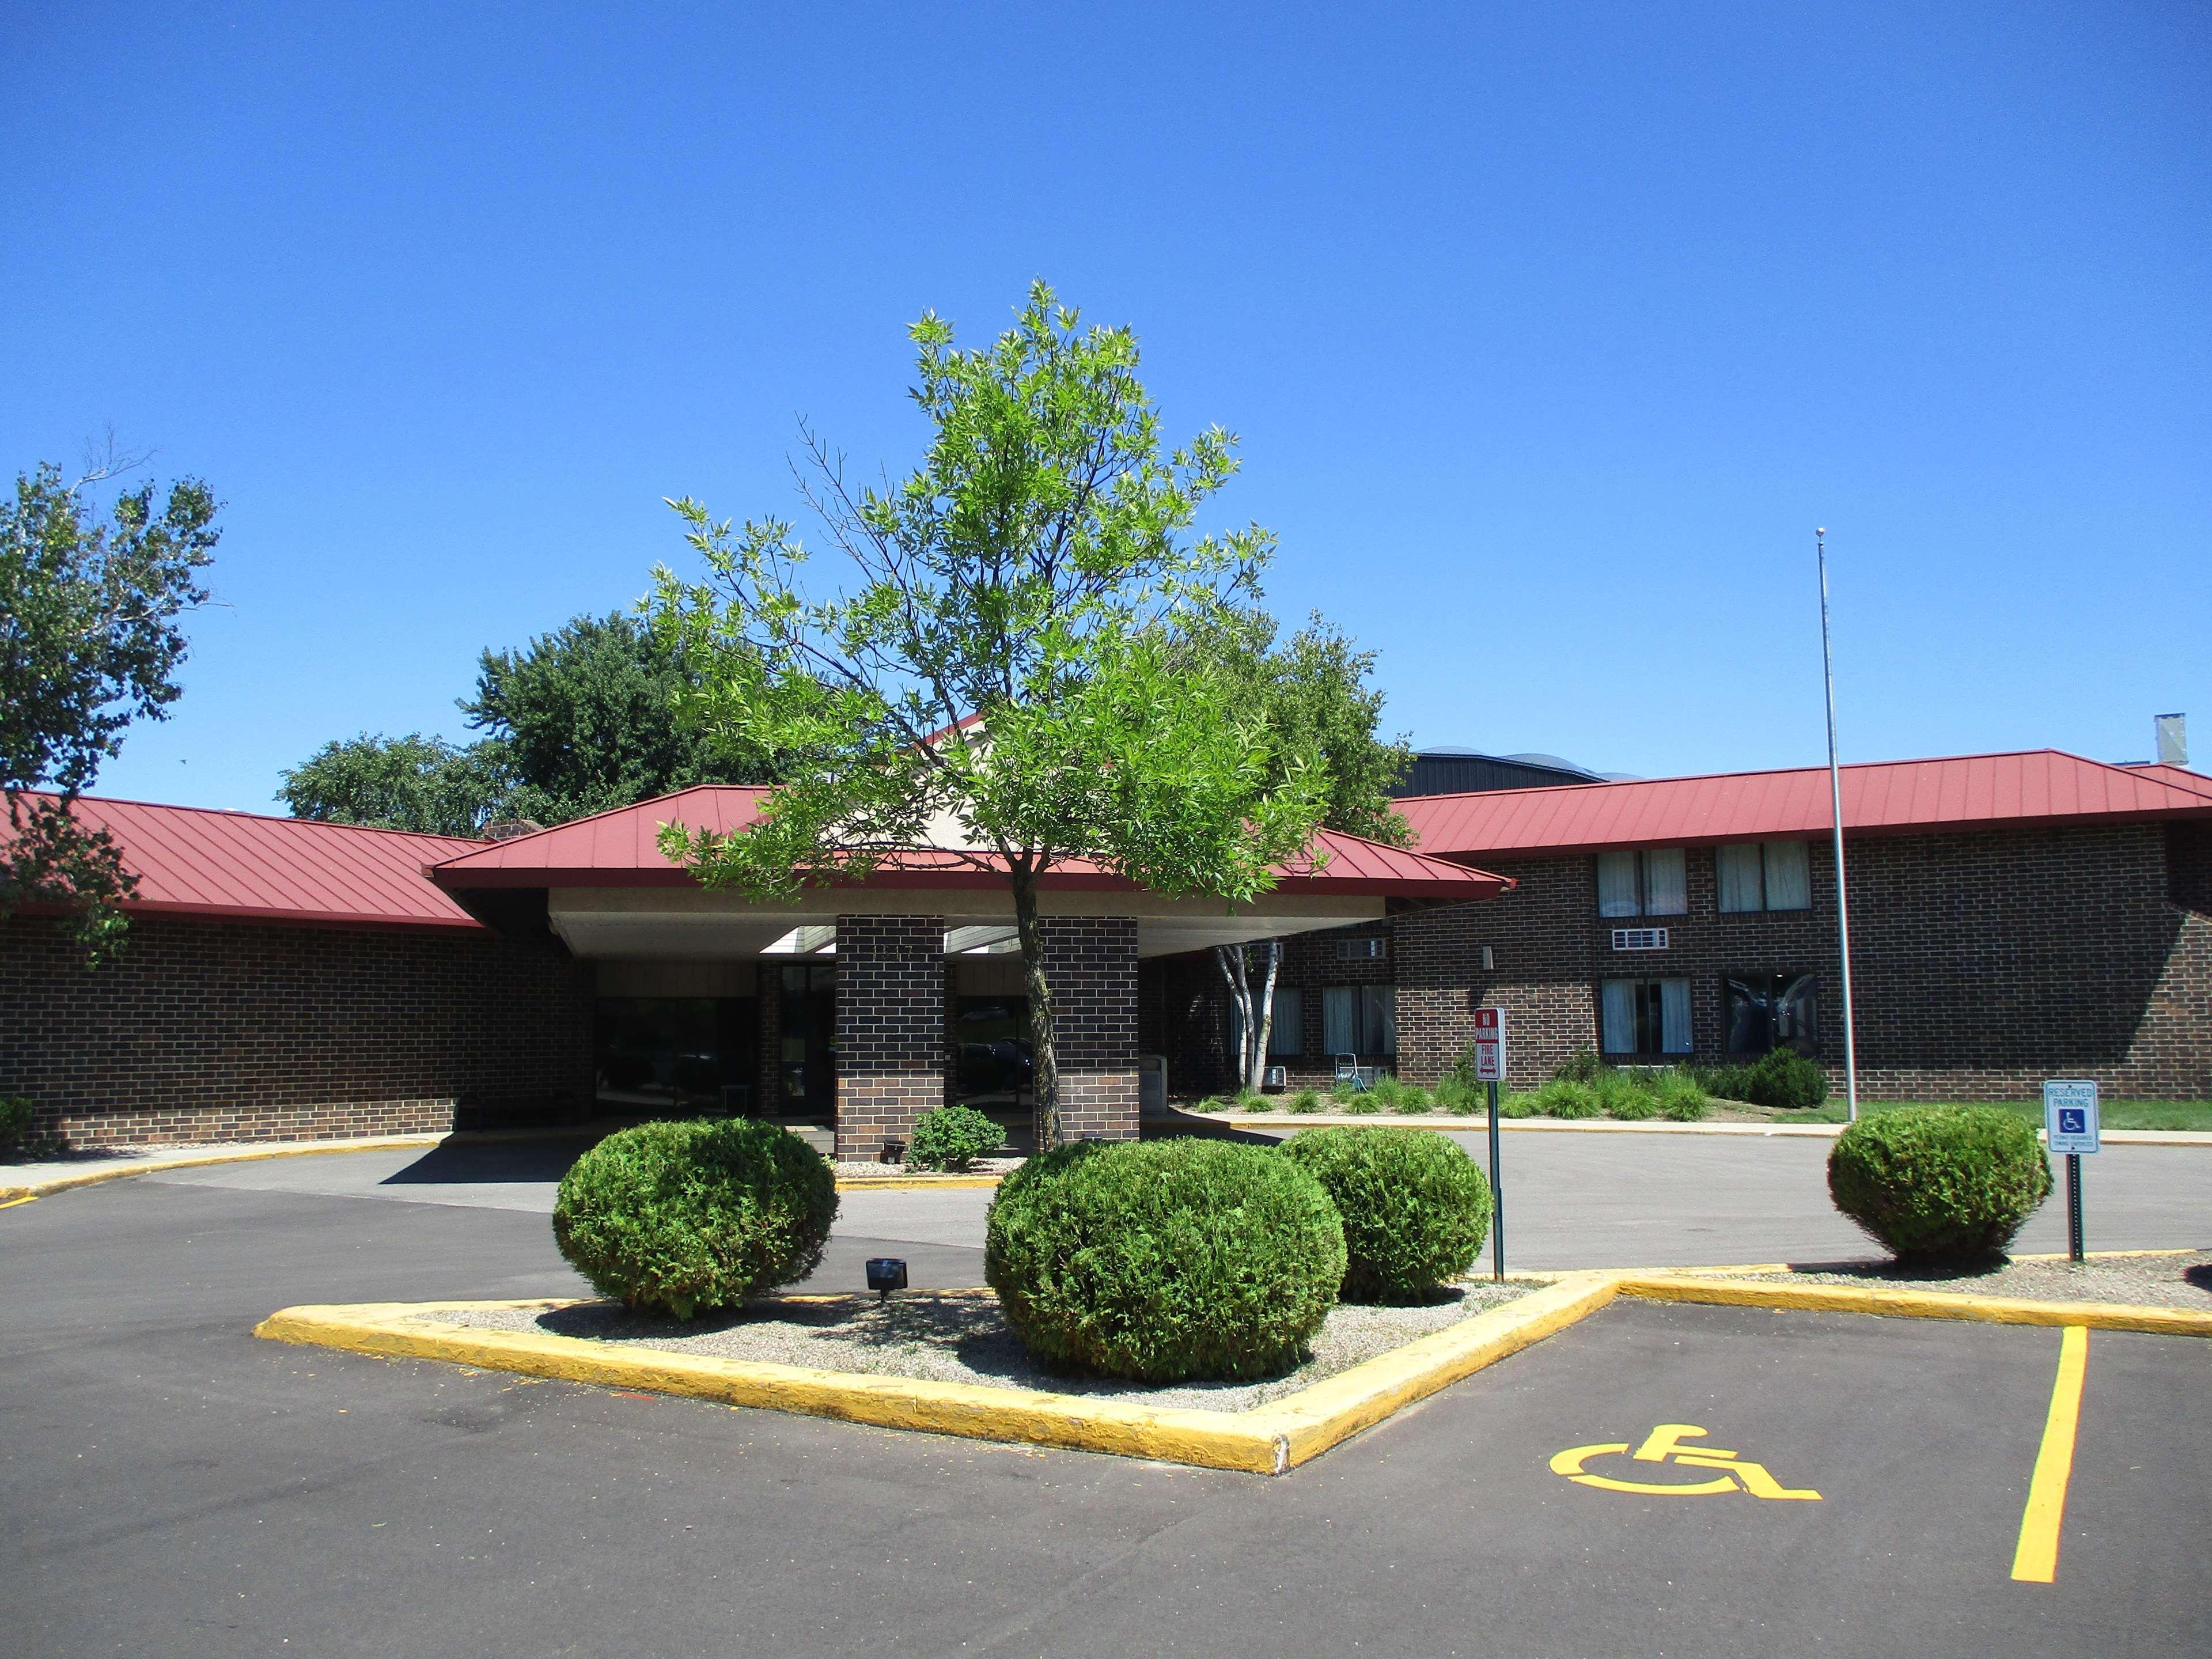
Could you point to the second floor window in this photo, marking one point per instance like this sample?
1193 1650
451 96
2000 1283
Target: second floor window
1764 875
1647 883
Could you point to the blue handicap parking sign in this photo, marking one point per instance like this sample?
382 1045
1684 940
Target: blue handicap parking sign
2069 1115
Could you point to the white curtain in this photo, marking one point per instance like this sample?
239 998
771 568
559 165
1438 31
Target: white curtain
1675 1015
1616 884
1666 891
1339 1019
1739 877
1617 1010
1789 876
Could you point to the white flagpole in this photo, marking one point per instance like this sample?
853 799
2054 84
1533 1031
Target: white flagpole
1835 806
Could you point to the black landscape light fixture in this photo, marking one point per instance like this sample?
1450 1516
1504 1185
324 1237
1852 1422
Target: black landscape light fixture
886 1273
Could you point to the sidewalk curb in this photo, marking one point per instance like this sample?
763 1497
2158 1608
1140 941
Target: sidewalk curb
1269 1439
1718 1292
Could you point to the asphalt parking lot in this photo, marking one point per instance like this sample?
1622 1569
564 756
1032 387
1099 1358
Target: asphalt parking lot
172 1485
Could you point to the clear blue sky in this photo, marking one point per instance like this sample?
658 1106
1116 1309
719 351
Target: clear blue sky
1551 332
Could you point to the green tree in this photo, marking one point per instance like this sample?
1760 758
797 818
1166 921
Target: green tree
89 642
1036 572
586 718
415 782
581 720
1314 693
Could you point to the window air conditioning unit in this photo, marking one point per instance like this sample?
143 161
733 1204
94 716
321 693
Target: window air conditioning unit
1362 949
1639 939
1272 1077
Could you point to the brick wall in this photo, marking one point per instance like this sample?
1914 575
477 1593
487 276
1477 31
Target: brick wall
890 1028
203 1031
1983 963
1091 962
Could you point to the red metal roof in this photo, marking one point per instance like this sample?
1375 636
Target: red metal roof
621 848
2180 777
194 862
1970 792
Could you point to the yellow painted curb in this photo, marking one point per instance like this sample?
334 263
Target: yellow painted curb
1268 1439
1914 1305
95 1177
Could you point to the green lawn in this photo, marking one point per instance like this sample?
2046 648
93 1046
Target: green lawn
2113 1114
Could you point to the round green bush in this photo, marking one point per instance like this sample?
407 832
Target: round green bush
1165 1261
1415 1206
1785 1080
1679 1099
1940 1185
952 1138
682 1217
15 1119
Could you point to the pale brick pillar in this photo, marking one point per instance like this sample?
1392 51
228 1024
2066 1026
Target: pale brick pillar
890 1028
1091 962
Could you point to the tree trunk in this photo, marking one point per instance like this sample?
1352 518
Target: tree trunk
1264 1023
1029 933
1229 959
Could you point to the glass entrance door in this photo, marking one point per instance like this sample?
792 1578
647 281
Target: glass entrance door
807 1021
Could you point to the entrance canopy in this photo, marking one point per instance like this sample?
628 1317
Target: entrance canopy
611 893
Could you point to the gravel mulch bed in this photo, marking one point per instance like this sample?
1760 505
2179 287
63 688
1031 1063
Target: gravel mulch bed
964 1339
847 1170
2150 1281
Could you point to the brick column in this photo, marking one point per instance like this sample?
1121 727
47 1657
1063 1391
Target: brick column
890 1028
1091 962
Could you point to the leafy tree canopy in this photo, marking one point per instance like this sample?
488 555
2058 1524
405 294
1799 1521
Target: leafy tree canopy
1038 573
581 720
1314 693
414 782
89 642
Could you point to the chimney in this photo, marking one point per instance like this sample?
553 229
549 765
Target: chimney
508 828
2172 739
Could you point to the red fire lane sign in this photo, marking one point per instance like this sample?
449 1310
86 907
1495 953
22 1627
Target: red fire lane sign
1490 1045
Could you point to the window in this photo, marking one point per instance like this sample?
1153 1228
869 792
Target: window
1648 883
1362 949
1773 1010
1287 1037
1359 1019
1644 1015
1766 875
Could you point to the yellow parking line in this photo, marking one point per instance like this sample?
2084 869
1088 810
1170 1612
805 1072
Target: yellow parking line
28 1198
2036 1560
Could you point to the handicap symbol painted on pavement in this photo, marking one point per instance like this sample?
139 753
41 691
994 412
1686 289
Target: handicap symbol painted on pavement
1664 1445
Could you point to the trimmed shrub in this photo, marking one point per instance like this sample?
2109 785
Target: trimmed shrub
952 1138
1940 1184
1415 1206
1165 1261
1564 1097
1781 1079
688 1216
15 1119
